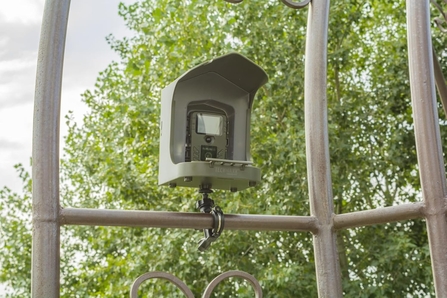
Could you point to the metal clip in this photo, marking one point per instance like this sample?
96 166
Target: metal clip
206 205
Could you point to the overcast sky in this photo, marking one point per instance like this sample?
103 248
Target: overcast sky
86 54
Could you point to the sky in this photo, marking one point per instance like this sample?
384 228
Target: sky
86 54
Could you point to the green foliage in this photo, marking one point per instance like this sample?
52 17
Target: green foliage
110 161
15 235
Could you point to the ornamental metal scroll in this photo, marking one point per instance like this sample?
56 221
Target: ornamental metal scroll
440 21
289 3
184 288
163 275
234 273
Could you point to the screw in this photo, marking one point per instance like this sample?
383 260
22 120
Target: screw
187 179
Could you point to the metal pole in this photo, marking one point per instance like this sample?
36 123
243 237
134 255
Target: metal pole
317 151
252 222
184 220
428 141
46 229
379 216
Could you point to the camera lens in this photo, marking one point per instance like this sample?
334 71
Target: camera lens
208 139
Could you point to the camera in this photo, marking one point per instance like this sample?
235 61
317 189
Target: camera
207 136
205 125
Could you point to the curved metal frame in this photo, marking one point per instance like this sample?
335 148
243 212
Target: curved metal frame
233 273
317 151
46 226
163 275
428 140
442 19
289 3
48 216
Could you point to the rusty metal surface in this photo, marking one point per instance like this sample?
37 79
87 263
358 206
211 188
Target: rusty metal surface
379 216
45 172
428 141
184 220
317 151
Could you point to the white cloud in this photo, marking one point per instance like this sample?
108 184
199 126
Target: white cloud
16 65
22 11
17 77
86 54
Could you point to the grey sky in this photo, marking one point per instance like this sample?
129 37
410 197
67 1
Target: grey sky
86 54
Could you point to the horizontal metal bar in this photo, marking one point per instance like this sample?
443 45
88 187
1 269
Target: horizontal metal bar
379 216
185 220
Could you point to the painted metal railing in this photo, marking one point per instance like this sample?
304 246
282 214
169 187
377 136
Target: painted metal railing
48 215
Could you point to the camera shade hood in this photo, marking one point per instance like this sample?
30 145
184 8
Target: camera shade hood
235 68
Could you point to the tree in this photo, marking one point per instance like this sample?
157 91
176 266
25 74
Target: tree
15 232
111 160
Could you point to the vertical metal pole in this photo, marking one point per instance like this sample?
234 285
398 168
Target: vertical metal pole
428 141
317 151
46 228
